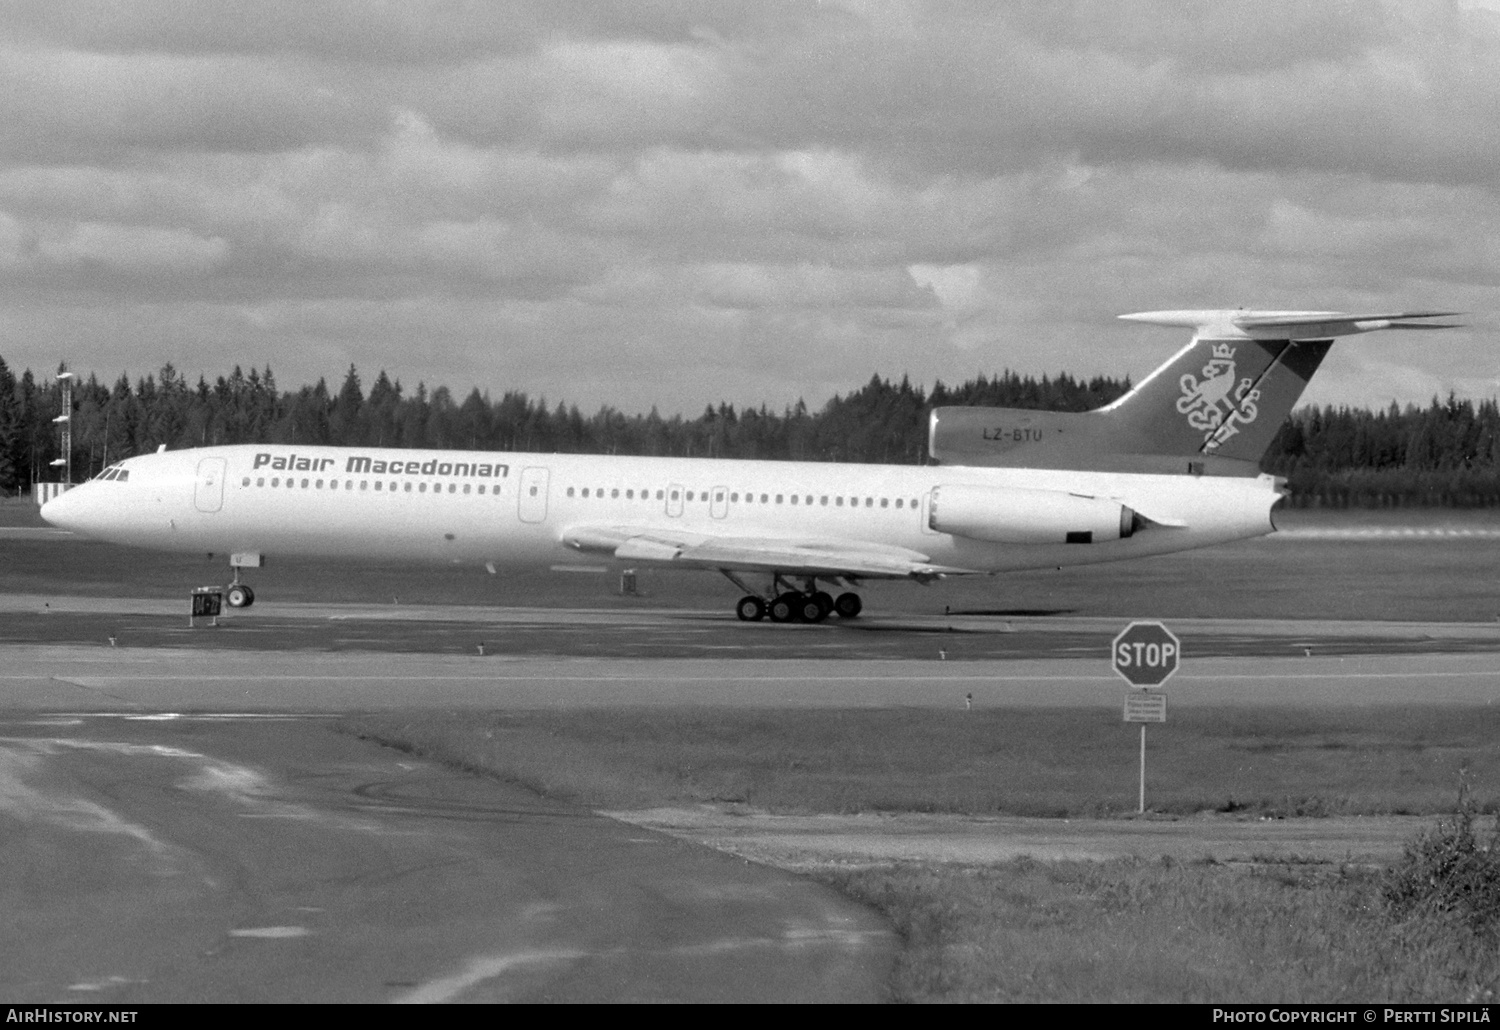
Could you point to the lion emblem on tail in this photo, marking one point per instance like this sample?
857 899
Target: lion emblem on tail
1218 404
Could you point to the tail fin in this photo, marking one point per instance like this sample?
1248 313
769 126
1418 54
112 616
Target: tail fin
1213 409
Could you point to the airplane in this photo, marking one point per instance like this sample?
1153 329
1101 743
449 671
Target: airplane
1170 466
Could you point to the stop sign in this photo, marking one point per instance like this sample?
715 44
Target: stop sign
1146 654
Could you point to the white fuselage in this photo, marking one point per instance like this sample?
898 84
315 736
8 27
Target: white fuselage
516 509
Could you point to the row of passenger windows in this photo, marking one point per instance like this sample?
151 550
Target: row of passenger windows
838 501
364 484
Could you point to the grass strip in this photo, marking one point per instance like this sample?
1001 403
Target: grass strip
1130 931
1077 762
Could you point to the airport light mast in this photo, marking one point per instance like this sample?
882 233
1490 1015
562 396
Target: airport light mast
66 421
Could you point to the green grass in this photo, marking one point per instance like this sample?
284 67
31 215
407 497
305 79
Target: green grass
1158 932
1039 762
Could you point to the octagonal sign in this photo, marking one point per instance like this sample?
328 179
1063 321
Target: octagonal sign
1145 654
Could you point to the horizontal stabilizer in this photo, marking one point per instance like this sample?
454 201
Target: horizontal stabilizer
1213 409
1239 323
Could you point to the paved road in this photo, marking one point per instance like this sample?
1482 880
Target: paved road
689 633
181 823
49 678
151 860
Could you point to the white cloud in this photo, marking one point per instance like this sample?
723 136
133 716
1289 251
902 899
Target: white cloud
129 248
669 203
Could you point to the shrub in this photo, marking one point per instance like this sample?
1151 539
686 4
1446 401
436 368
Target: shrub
1449 873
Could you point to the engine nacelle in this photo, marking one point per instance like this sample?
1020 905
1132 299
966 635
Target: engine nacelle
1020 516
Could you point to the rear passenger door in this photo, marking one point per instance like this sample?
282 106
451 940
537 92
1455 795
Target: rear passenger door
531 498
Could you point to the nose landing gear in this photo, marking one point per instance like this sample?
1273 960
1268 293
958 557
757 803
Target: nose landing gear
237 594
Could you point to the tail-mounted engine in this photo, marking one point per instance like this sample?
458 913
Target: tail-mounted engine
1020 516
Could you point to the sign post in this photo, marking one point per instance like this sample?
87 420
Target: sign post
1145 655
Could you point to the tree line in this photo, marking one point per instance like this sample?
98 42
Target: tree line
1447 453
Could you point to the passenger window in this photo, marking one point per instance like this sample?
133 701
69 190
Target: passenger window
453 488
690 495
406 487
364 484
320 484
778 498
869 502
659 493
533 491
377 484
630 495
838 500
824 502
794 498
885 502
898 502
261 481
615 492
422 488
466 488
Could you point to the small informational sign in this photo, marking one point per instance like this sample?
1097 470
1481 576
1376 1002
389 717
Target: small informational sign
1145 706
1145 654
208 603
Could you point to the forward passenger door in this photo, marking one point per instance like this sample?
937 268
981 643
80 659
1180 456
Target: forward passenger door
208 492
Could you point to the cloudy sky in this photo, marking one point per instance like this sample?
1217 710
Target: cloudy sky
675 203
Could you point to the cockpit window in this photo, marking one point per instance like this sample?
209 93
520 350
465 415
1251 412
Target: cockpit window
115 473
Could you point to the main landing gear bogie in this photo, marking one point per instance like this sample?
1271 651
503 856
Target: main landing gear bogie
793 606
750 608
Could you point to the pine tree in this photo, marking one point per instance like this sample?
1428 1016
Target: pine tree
10 431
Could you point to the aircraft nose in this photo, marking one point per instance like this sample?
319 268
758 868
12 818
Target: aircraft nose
66 510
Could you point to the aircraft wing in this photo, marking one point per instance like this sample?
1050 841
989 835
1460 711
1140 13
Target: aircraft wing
801 556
